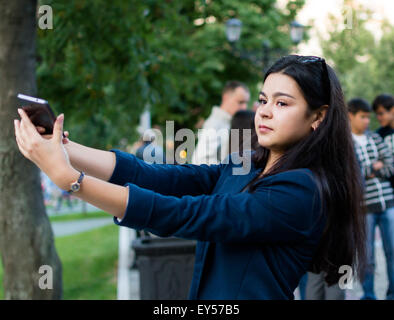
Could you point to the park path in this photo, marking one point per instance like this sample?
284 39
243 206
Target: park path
66 228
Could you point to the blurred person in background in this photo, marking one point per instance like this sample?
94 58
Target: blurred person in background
383 106
377 167
213 139
63 195
243 121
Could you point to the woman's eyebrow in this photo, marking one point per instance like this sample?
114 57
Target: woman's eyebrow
277 94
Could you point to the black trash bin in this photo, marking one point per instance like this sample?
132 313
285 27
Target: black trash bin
165 266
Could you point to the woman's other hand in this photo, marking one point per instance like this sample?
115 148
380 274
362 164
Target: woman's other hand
41 130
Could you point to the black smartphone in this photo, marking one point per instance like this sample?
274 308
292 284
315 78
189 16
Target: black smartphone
39 112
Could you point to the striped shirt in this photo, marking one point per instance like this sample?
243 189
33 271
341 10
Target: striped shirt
378 194
387 134
390 142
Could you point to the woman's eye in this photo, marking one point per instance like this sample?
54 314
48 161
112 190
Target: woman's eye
262 101
282 104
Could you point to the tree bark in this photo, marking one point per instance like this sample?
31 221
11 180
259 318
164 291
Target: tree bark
26 237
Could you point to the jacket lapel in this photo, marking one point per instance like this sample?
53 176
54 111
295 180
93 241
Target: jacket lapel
234 183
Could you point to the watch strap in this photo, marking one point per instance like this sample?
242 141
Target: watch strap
80 178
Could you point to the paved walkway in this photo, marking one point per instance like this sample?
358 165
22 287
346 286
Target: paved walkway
66 228
128 279
78 206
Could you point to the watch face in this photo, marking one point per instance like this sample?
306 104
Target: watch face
75 187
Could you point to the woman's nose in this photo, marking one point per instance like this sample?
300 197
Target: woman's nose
265 110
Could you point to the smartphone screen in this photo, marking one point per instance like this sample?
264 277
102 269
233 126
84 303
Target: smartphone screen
39 112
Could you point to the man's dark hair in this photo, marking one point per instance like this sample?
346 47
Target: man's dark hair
358 104
385 100
232 85
243 119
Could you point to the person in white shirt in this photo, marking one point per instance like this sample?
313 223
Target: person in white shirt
213 138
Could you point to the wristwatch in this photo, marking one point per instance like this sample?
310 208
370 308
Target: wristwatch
75 186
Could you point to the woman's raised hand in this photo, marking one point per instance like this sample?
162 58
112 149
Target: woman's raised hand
48 153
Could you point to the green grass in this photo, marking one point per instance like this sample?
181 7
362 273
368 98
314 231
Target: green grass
79 216
89 262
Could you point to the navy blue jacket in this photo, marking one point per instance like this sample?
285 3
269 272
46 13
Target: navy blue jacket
250 245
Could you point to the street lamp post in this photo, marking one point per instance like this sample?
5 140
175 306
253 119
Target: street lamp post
233 34
296 32
233 30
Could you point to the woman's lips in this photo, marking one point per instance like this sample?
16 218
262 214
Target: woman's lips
264 129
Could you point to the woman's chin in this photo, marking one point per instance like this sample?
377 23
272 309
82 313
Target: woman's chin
264 143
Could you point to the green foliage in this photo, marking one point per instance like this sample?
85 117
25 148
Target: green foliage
364 64
105 61
384 59
349 40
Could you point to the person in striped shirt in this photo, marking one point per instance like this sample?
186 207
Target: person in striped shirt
377 167
383 106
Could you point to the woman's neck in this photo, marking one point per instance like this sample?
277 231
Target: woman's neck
272 158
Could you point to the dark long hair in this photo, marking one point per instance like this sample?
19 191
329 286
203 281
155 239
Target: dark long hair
241 120
329 153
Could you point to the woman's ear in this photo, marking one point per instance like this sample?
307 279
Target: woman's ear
319 116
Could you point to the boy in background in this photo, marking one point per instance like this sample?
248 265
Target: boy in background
383 106
377 167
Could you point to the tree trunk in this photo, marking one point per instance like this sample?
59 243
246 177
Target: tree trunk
26 237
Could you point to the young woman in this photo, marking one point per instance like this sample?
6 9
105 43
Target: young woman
297 208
